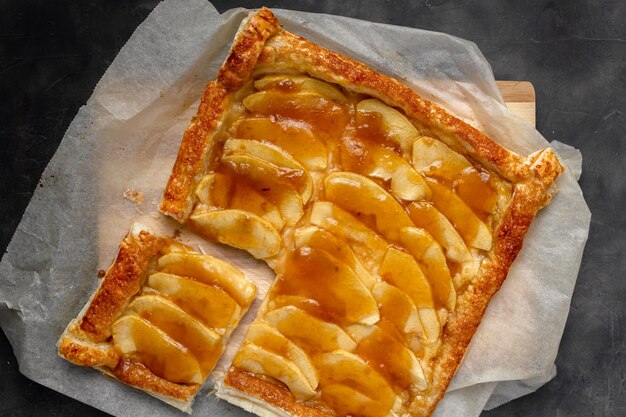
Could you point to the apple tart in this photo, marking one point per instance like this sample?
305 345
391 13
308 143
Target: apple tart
389 223
160 318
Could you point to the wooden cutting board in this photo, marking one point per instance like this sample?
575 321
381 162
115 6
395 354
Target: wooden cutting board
519 97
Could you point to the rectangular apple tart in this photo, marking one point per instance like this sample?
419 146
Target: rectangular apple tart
389 223
160 318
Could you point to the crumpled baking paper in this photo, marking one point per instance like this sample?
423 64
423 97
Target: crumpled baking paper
115 158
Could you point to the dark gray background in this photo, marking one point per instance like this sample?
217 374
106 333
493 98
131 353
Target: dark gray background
52 53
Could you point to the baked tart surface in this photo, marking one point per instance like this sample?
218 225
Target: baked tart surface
161 317
389 223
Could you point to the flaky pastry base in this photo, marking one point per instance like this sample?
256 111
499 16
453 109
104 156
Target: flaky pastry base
262 43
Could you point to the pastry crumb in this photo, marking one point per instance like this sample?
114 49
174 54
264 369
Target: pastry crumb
134 196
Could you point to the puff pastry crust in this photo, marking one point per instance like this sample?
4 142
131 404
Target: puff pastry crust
520 187
141 327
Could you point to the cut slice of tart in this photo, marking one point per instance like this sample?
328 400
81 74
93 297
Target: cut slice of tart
160 318
389 223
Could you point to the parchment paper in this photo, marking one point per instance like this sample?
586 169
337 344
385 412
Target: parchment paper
125 140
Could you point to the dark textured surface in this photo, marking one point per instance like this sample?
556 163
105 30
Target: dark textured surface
53 53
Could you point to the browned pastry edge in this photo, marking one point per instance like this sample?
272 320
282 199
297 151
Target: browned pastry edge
263 35
271 393
134 373
122 281
84 342
83 353
197 140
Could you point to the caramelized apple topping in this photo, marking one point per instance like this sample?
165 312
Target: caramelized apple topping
373 229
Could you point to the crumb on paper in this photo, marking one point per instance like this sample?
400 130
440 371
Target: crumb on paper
46 181
101 273
134 196
176 234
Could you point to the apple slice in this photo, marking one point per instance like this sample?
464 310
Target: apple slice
428 253
306 304
308 332
284 196
159 353
425 215
255 359
209 304
373 160
287 200
396 126
275 156
335 247
259 169
401 270
268 338
368 201
315 274
347 401
246 197
239 228
389 356
215 190
345 368
324 115
219 190
478 190
204 343
407 184
435 158
298 141
432 322
288 82
212 271
368 245
397 308
474 232
276 301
